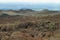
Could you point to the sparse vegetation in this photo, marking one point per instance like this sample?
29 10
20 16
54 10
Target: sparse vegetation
20 27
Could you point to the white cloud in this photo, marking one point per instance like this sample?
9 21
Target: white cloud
30 1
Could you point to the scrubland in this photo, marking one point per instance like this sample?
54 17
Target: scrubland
20 27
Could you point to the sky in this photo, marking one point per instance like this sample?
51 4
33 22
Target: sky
30 1
33 4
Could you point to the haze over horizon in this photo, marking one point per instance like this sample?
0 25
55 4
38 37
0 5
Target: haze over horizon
30 4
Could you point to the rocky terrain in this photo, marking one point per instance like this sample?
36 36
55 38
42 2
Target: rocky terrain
29 25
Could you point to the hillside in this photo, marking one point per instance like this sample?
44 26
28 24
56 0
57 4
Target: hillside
29 12
29 25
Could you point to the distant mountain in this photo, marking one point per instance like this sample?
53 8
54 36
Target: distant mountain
29 6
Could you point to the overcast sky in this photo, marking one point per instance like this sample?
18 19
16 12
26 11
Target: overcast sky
30 1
